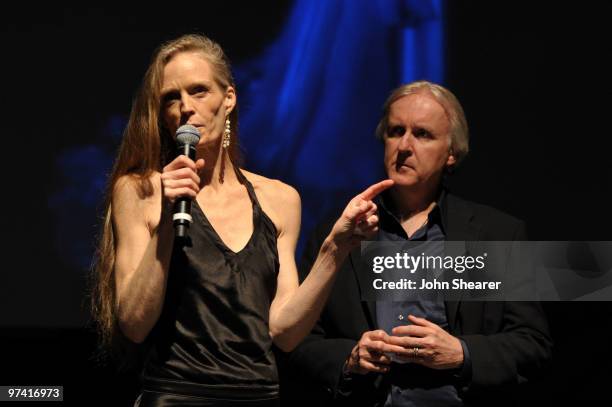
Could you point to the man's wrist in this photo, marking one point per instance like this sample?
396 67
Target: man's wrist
464 371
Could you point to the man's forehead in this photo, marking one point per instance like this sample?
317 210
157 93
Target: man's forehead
416 107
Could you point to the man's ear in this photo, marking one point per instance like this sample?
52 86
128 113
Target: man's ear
451 160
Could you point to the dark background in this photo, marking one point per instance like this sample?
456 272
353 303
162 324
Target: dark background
533 81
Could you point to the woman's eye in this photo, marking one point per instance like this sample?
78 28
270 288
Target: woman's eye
169 99
397 131
199 90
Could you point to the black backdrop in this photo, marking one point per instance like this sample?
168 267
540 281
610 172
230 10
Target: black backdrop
534 83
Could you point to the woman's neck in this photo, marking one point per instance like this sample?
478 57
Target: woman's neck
218 168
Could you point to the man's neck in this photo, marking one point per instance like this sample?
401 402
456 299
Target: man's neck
412 202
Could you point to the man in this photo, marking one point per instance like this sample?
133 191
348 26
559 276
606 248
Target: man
459 353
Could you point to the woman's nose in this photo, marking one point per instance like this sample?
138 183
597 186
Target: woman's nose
186 105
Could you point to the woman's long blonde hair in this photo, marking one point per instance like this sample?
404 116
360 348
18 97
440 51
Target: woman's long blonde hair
147 147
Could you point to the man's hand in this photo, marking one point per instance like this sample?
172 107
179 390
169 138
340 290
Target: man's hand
427 344
369 353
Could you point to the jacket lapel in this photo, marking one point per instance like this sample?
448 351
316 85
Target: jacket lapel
459 225
368 307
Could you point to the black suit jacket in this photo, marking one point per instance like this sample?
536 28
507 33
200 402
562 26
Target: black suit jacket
507 341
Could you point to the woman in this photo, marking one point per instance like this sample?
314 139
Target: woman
212 307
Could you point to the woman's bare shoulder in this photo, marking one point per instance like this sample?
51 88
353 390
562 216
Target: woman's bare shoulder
272 188
133 196
280 201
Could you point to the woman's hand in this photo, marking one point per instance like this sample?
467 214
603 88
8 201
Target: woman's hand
180 179
359 220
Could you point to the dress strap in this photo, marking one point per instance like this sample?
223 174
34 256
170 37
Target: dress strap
258 212
249 187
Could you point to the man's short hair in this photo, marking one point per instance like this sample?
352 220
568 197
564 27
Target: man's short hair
459 134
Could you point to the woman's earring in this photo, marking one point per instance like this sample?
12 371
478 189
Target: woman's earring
226 134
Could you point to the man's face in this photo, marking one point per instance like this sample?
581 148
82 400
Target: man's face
417 143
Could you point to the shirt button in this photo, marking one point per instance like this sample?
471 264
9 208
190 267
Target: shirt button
400 317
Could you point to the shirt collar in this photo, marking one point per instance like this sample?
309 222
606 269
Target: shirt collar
390 223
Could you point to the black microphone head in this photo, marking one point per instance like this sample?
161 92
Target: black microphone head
187 134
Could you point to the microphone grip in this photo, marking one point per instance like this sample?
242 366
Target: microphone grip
181 217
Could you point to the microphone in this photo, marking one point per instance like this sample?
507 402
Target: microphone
187 137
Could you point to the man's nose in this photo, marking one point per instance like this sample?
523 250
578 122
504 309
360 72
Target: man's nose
406 142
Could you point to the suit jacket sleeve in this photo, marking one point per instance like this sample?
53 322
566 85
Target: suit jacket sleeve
519 347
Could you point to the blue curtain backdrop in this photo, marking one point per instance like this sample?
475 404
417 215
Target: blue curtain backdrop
309 105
